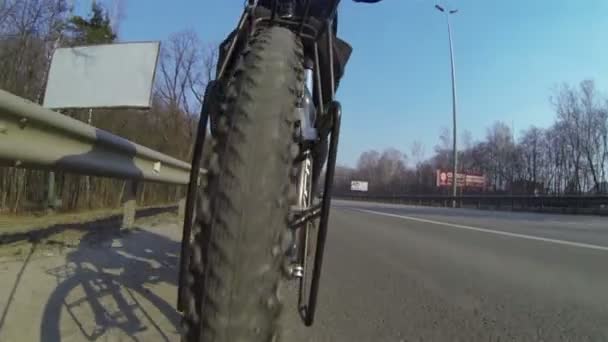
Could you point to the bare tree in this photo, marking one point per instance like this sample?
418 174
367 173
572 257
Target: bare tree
464 154
443 151
391 166
417 152
502 154
530 146
467 139
445 139
570 121
594 117
28 30
7 9
581 119
198 81
179 85
367 165
118 12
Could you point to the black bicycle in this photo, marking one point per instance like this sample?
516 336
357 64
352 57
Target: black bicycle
253 218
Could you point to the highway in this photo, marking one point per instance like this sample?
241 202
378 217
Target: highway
392 273
400 273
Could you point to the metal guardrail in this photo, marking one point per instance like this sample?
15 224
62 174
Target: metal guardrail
35 137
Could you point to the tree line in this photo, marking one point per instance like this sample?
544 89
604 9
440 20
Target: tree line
30 31
569 157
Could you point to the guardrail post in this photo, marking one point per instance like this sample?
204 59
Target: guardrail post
541 205
181 210
50 198
129 204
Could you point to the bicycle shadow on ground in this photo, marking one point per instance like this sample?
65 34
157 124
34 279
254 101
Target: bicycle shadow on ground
116 285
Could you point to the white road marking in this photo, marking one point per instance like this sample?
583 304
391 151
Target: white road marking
490 231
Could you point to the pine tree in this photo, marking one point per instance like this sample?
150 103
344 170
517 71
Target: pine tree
96 29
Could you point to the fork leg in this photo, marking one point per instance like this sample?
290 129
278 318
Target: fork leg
309 311
192 191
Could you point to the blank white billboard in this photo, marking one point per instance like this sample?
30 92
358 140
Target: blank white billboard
358 186
102 76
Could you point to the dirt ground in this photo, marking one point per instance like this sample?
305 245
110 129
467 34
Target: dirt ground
96 282
92 282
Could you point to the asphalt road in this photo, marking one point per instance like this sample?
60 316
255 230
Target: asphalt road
392 273
398 273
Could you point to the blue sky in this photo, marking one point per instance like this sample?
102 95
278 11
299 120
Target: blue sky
509 57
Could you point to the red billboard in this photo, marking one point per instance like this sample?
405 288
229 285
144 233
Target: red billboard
463 180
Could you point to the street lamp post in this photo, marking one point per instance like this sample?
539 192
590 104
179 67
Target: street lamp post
455 155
